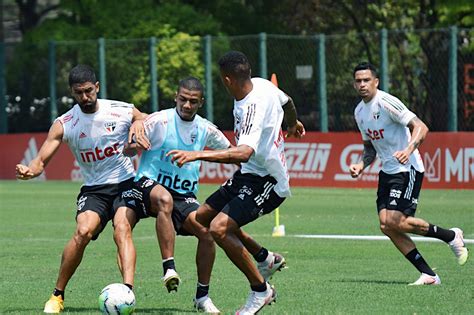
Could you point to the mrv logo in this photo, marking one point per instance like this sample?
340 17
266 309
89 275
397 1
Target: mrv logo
307 160
458 165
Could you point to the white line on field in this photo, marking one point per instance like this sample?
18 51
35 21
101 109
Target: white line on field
317 236
368 237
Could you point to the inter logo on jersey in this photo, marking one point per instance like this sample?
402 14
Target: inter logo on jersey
110 126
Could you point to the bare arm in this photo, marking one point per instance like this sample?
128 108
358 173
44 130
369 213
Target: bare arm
295 127
47 151
368 157
239 154
418 131
137 130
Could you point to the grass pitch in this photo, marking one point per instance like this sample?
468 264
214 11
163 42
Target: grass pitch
324 276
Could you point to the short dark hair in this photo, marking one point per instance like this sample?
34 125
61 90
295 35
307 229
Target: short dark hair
82 74
366 66
192 84
235 64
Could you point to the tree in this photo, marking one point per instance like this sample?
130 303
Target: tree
76 25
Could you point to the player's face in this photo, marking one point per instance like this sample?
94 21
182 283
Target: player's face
365 84
187 103
85 95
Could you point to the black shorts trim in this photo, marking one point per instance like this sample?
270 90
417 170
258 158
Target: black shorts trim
399 191
246 197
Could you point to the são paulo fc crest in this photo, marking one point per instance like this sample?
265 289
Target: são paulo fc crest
110 126
376 115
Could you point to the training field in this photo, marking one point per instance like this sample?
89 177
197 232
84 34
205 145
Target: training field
325 276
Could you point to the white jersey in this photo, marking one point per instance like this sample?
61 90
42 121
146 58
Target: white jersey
384 122
156 126
257 123
96 141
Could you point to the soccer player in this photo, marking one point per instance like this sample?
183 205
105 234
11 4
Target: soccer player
392 131
95 130
158 179
261 184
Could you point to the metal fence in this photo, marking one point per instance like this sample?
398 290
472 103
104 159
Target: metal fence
431 71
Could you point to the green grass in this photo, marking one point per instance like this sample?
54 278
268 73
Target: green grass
324 276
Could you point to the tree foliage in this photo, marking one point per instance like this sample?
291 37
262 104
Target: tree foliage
352 27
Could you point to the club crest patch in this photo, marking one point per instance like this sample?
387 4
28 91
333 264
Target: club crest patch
110 126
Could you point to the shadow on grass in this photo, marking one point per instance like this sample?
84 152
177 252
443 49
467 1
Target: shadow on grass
370 281
91 310
163 310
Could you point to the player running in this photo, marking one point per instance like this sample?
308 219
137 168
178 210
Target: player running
393 132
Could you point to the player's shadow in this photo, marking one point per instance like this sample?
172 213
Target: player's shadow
369 281
138 310
163 310
82 310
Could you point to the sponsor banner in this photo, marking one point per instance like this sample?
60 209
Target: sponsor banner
317 160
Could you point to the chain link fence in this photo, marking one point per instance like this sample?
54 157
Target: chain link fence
418 74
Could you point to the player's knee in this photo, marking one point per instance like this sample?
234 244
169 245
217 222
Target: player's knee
384 228
203 234
83 234
122 230
217 230
163 203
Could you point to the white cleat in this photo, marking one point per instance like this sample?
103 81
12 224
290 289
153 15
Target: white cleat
458 247
274 262
206 305
426 279
171 280
257 300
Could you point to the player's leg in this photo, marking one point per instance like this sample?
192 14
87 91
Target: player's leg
159 203
205 256
267 262
391 210
389 224
88 224
124 222
453 237
204 214
406 201
224 231
240 201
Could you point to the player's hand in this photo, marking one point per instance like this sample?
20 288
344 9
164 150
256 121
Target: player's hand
296 131
181 157
356 170
137 133
23 172
402 156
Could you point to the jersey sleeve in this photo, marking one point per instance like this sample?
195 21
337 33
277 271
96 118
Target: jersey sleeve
251 126
64 120
216 139
282 96
397 111
357 118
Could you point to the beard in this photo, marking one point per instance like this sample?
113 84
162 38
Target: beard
89 107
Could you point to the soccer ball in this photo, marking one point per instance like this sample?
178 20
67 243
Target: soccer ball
117 298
